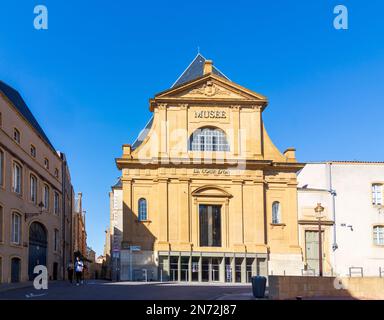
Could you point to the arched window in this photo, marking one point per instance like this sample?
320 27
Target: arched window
276 214
209 139
142 209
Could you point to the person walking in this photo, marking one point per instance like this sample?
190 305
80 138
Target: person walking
70 271
79 266
85 273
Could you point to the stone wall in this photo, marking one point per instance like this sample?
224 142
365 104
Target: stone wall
290 287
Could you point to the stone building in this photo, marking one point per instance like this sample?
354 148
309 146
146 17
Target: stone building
79 234
35 195
115 228
206 194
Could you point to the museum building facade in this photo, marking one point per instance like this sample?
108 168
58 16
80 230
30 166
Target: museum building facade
206 194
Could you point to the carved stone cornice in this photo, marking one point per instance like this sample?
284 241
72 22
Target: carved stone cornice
162 106
235 107
183 106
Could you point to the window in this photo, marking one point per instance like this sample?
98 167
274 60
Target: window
2 167
276 215
33 188
142 209
46 197
377 194
378 235
15 270
1 224
17 178
56 203
209 139
56 173
33 151
1 124
46 163
210 225
16 228
56 240
16 135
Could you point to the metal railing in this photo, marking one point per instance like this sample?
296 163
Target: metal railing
308 272
355 271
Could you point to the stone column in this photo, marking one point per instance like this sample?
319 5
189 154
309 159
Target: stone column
128 215
179 268
233 267
163 130
222 270
237 216
190 268
244 270
236 130
163 240
200 268
184 215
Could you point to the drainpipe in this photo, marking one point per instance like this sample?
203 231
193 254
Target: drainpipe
333 194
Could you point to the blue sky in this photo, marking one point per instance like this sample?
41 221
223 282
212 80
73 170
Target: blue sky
88 78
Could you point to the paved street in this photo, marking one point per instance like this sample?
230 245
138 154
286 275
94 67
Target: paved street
100 290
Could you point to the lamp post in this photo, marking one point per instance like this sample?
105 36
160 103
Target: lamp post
32 214
319 215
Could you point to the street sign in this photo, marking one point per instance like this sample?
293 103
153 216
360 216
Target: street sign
135 248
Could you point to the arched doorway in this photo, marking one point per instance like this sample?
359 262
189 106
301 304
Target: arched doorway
37 247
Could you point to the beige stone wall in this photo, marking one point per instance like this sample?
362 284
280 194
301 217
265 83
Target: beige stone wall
245 180
291 287
12 202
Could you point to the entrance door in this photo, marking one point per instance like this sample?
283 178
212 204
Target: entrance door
210 225
211 269
15 270
55 270
312 249
37 247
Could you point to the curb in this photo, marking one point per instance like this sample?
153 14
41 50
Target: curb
15 287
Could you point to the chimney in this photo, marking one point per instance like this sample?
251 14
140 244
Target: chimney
127 149
290 155
208 66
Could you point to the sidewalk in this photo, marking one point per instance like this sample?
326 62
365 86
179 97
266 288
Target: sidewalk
4 287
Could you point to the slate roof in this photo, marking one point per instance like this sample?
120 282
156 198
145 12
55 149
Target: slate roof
193 71
143 134
18 102
196 70
118 184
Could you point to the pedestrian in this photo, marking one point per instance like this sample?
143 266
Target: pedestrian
85 273
79 266
70 271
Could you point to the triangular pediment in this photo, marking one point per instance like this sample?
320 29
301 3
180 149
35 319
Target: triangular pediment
208 87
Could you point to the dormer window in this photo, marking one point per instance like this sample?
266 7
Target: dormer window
46 163
16 135
33 151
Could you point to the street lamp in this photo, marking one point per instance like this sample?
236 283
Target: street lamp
32 214
319 215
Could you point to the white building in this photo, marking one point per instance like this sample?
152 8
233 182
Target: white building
353 223
116 228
